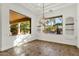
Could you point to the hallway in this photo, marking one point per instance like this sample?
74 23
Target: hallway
42 48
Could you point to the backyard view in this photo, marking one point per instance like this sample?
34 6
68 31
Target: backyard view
24 27
19 23
54 25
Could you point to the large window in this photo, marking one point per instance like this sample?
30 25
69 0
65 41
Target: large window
54 25
19 23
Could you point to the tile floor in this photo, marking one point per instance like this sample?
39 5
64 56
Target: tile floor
42 48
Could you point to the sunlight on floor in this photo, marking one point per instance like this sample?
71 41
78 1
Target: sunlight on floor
20 39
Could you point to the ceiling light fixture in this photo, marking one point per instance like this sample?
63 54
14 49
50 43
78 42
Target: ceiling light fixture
43 11
42 21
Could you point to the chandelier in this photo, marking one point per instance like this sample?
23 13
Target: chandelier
43 11
42 21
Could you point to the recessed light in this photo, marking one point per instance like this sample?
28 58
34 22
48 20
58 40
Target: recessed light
39 4
50 10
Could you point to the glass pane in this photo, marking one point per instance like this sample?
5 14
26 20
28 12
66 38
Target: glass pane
14 29
54 25
25 27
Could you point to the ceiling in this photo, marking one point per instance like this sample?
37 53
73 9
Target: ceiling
41 4
17 17
37 8
14 15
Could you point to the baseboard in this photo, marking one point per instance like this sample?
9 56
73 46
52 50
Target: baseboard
1 50
58 42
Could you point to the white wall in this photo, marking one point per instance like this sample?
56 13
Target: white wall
78 25
68 11
8 41
0 28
